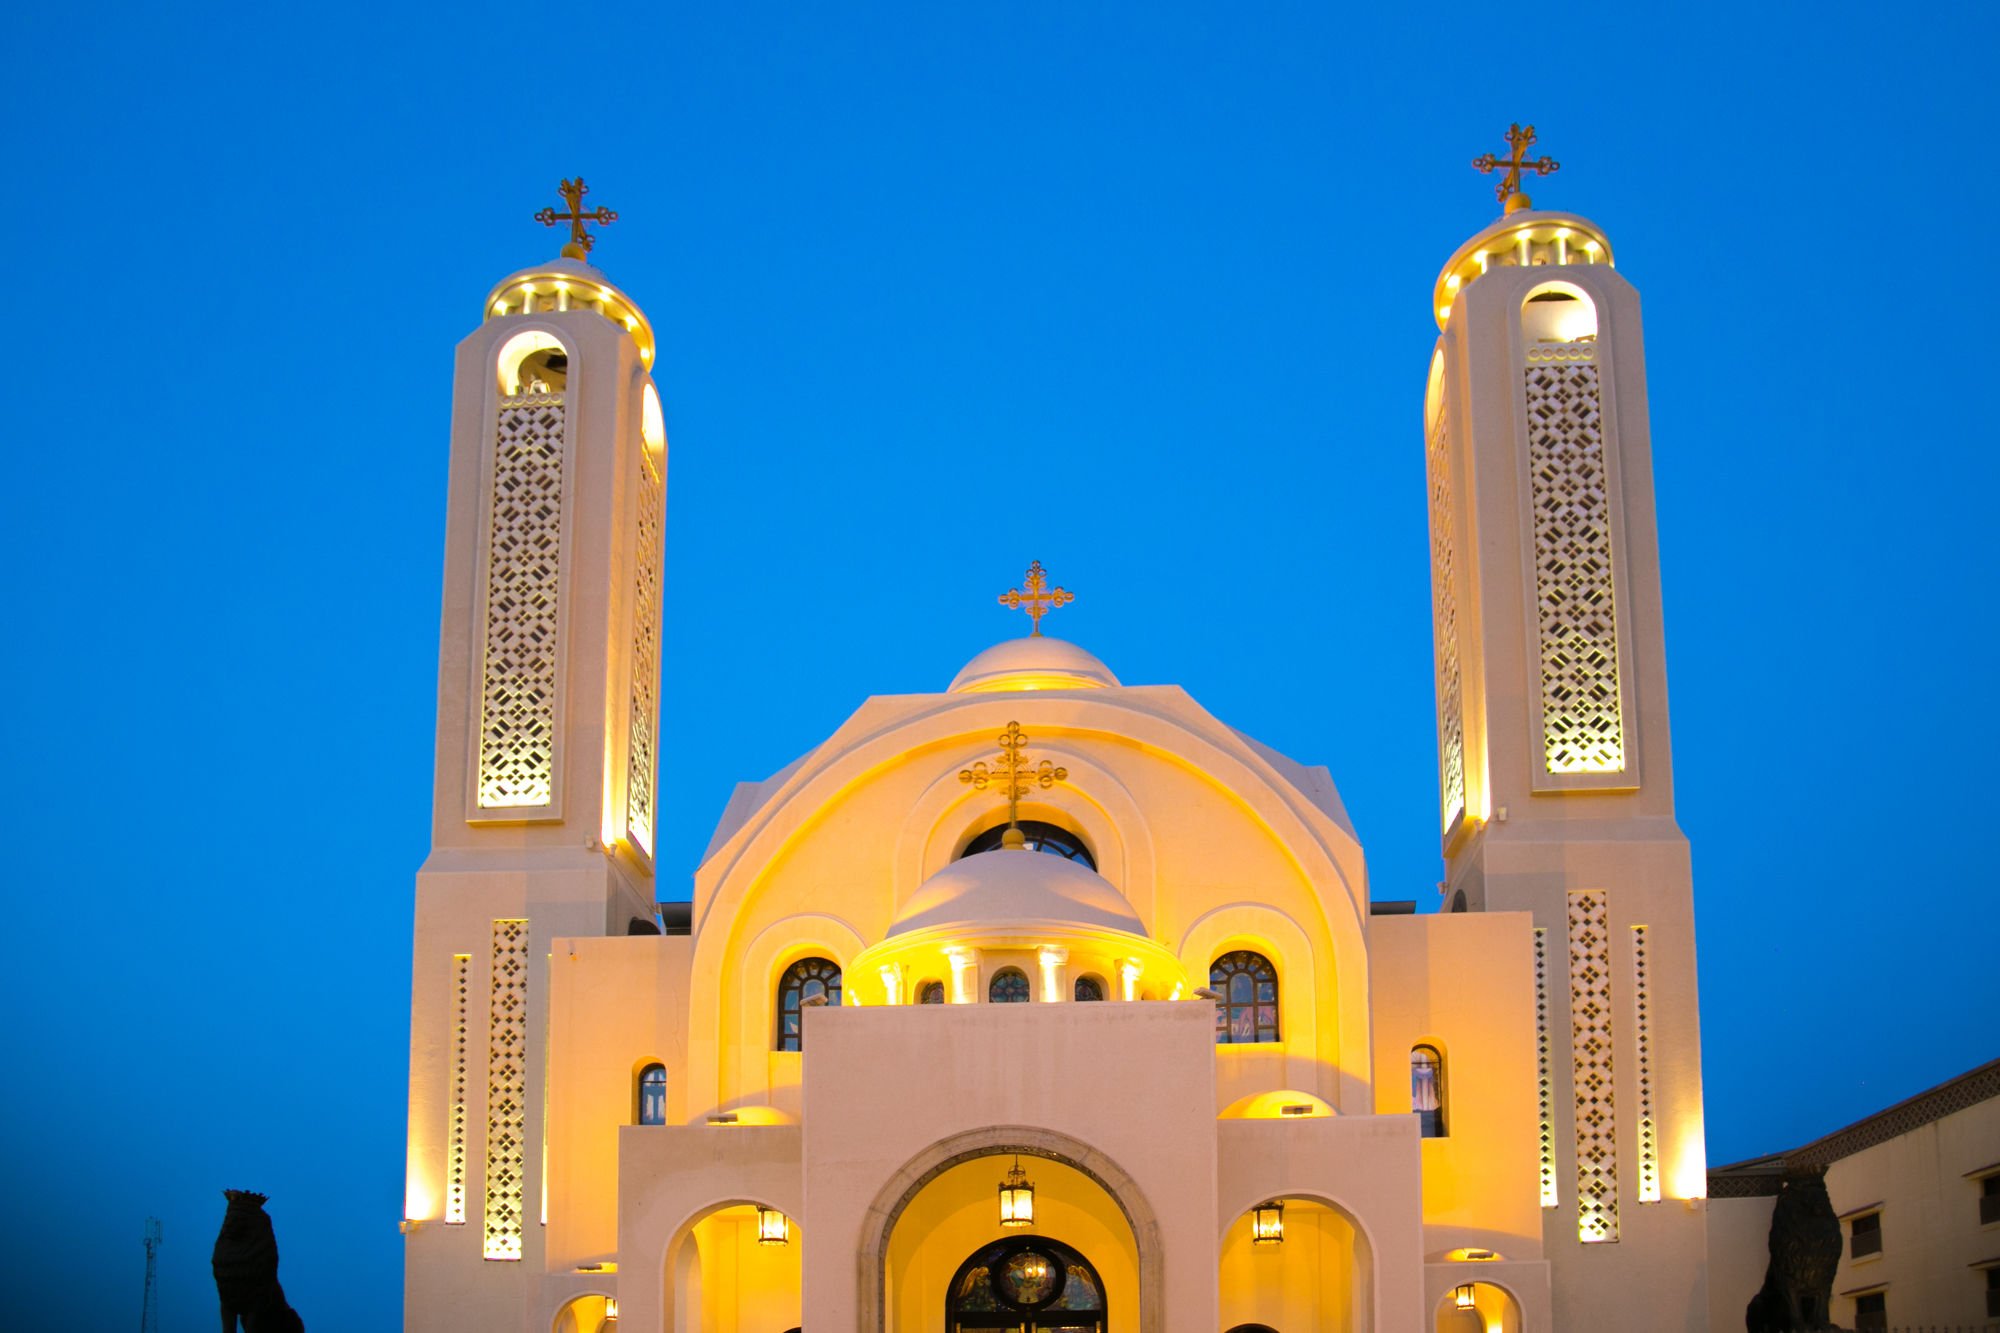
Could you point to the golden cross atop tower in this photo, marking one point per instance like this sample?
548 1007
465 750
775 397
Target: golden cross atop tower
1036 597
1016 776
580 240
1508 191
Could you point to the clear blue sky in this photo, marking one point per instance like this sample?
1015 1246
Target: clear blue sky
1140 290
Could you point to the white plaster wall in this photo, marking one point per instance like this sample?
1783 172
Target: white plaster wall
1739 1252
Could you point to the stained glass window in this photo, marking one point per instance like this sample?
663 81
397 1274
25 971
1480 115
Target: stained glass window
1089 988
1427 1090
802 981
930 992
653 1095
1009 986
1248 1009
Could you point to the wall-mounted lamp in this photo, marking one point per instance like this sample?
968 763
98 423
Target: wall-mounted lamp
1267 1223
773 1227
1017 1198
1462 1297
610 1307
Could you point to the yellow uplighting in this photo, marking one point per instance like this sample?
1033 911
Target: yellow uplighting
1451 283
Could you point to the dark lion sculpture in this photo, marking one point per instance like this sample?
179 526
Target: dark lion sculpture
246 1269
1805 1250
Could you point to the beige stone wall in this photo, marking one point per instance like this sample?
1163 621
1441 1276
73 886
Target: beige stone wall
1931 1234
1739 1252
1464 984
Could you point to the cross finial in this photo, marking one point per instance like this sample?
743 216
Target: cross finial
580 240
1035 596
1508 191
1015 776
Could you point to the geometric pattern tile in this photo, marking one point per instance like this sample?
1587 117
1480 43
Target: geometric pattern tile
1590 1056
507 1090
517 696
1546 1149
1583 728
454 1137
1649 1138
1444 631
644 713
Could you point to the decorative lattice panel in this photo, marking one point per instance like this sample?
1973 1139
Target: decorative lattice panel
507 1090
1583 728
641 775
1590 1054
1546 1149
454 1130
1642 1030
517 695
1444 629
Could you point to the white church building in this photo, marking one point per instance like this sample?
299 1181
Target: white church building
1049 1001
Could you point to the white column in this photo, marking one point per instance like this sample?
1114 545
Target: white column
1054 973
964 973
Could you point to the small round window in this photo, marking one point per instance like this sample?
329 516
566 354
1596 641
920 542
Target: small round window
1042 837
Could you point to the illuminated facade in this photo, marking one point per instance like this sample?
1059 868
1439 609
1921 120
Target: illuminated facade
1175 1071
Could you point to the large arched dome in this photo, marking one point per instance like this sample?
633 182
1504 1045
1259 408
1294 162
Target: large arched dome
1034 663
1014 886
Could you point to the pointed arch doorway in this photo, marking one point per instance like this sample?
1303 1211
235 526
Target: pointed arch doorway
1031 1285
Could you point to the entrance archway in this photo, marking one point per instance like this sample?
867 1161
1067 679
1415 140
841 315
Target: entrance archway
1028 1285
592 1312
1478 1307
1299 1264
1082 1195
736 1266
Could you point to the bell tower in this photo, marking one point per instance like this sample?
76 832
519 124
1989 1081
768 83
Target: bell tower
544 810
1555 762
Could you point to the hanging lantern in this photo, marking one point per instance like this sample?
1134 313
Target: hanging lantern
773 1227
1463 1296
1267 1223
611 1308
1017 1198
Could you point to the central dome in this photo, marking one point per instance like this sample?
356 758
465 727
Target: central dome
1034 663
1016 886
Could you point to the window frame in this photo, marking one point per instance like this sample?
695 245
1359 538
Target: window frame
1095 982
1435 1122
809 969
1873 1233
639 1093
1009 974
1224 972
1042 836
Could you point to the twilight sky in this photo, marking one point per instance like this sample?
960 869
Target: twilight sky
1138 290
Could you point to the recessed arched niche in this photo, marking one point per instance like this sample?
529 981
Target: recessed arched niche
1558 312
532 361
1434 392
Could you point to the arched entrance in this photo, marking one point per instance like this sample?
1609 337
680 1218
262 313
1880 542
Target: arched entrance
1299 1264
944 1206
1029 1285
734 1266
1478 1307
592 1312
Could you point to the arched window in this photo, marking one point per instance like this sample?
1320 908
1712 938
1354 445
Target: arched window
1089 988
652 1108
1042 837
1028 1284
804 980
1558 312
1248 1009
930 992
1009 986
532 362
1253 1328
1427 1090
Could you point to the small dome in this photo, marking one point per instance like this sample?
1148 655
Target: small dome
1016 886
1034 663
